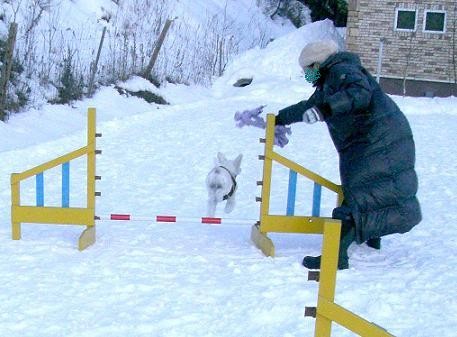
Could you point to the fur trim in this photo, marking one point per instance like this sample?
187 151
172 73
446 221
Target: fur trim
317 51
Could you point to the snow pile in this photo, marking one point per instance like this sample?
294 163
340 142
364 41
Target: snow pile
280 58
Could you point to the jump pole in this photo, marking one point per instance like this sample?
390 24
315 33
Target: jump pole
175 219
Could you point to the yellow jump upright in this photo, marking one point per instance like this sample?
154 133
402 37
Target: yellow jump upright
65 214
284 223
327 311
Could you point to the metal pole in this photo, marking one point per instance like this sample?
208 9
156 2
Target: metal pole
381 47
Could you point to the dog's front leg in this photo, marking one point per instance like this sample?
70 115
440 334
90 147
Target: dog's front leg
211 208
230 205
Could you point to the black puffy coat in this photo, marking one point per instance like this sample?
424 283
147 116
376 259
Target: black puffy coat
375 146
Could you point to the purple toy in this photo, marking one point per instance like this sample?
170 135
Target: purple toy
280 135
252 117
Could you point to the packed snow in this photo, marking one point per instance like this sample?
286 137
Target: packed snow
189 279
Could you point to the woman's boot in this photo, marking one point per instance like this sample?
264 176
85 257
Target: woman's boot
374 243
314 262
347 236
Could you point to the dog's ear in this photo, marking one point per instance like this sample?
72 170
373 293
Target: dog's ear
237 162
221 158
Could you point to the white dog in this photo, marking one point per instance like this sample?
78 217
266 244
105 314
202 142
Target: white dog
221 183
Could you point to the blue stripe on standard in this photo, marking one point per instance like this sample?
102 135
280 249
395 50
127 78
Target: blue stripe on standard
291 192
66 184
39 189
317 192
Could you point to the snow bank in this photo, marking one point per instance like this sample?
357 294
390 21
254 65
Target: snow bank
280 57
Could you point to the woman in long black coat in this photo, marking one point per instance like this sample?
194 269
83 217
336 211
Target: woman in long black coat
374 142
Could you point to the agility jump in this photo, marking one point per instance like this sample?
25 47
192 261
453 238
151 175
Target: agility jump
65 214
326 311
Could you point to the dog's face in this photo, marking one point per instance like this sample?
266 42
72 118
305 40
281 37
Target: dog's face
219 181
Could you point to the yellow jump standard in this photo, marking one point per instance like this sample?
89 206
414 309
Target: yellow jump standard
60 215
326 311
283 223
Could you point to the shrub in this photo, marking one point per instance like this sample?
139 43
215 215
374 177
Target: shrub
71 86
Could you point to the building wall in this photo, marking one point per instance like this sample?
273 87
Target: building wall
417 56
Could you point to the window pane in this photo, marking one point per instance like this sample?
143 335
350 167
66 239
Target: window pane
406 19
434 22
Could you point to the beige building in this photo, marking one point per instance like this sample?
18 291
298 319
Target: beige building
410 46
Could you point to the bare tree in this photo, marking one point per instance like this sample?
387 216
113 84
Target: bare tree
49 35
277 9
34 9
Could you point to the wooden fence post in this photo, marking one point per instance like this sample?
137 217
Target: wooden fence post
6 69
155 53
94 67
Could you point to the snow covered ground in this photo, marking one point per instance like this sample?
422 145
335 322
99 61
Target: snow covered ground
189 279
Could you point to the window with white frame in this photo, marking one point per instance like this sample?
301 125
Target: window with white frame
405 19
434 21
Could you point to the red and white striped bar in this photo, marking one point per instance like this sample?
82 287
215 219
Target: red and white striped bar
175 219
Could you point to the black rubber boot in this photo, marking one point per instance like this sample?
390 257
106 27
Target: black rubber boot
314 262
374 243
347 236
